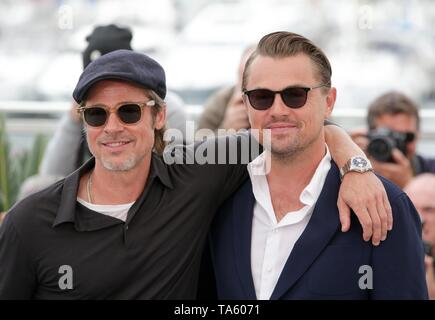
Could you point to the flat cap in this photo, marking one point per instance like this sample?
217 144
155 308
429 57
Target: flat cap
122 65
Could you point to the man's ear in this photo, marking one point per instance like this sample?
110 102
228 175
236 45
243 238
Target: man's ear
160 118
330 101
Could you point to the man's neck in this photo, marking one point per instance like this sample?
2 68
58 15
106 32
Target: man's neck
288 177
299 167
114 187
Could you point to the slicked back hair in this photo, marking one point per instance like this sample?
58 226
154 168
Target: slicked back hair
284 44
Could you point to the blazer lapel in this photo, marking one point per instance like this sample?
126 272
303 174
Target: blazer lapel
324 223
243 208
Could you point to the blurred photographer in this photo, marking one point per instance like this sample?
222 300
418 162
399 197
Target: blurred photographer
391 141
421 191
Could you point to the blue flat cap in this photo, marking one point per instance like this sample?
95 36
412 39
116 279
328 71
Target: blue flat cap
122 65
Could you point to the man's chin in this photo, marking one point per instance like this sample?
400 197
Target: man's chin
113 165
284 147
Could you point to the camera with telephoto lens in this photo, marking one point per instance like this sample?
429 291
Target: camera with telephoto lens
382 141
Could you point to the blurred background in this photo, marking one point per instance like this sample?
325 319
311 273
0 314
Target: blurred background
374 46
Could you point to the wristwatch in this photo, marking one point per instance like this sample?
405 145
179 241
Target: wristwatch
358 164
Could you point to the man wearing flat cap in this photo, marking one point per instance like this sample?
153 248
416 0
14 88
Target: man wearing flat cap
67 150
127 225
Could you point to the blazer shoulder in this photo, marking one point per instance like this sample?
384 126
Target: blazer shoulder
393 191
404 213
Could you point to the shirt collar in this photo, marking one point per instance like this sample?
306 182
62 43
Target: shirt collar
67 207
68 201
311 192
160 169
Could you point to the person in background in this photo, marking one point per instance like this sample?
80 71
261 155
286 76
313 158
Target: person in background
421 191
36 183
68 150
225 109
394 121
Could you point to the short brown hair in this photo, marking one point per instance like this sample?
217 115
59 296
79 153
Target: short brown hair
283 44
159 142
392 103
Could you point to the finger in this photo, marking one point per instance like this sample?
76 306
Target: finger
366 222
382 215
399 157
344 214
376 224
389 212
428 263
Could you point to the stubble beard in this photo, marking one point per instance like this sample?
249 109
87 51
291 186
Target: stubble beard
132 161
128 164
293 150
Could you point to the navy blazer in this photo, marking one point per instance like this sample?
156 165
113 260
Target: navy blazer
325 262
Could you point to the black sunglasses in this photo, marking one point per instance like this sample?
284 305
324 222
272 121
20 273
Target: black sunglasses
293 97
127 112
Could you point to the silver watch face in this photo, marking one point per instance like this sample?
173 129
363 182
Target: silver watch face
359 162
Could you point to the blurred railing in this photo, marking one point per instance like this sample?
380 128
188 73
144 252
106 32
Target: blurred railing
26 119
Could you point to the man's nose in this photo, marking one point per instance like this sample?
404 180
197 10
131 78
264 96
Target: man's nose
113 123
278 106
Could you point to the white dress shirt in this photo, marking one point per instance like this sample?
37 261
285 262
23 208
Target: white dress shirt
272 241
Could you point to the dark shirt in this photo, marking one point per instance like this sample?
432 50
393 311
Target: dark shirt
423 165
155 254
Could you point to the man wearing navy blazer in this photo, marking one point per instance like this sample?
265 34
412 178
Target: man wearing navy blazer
279 236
